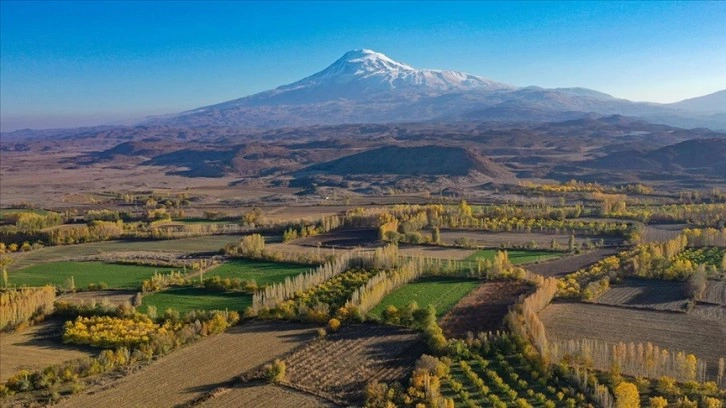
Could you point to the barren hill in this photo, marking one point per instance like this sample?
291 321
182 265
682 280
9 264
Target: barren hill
422 160
703 155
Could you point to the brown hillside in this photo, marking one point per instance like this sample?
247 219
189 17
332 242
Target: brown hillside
422 160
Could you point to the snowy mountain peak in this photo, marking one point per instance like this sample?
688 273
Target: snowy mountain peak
363 63
365 72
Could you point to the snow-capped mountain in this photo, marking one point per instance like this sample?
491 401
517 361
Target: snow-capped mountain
364 86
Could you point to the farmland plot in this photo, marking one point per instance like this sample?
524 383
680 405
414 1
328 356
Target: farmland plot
563 266
261 272
192 371
483 309
438 252
117 276
715 293
339 367
211 243
266 395
441 292
495 239
37 347
111 297
646 294
342 238
704 337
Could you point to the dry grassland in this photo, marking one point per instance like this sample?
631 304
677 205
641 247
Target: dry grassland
192 371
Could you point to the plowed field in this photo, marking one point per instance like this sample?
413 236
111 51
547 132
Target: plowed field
265 396
339 366
563 266
704 337
483 309
188 373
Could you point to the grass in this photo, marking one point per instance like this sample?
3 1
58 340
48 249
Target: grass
116 276
187 299
441 292
263 273
516 256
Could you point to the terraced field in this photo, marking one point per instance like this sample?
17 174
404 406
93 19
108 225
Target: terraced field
192 371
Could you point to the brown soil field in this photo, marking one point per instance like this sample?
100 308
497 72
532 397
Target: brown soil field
264 395
37 347
342 238
113 297
192 371
715 292
509 239
563 266
704 337
340 366
483 309
292 248
713 312
646 294
435 251
661 232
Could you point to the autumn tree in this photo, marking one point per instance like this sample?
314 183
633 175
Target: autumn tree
436 239
626 395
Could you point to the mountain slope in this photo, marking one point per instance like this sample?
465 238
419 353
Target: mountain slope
697 155
412 161
364 86
711 103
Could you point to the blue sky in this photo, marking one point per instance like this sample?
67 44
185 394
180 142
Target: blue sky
79 63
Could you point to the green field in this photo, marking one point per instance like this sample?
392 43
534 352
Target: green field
187 299
263 273
441 292
209 243
516 256
116 276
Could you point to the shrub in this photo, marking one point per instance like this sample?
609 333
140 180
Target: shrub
334 324
275 372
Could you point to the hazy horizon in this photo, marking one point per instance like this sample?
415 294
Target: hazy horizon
84 63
